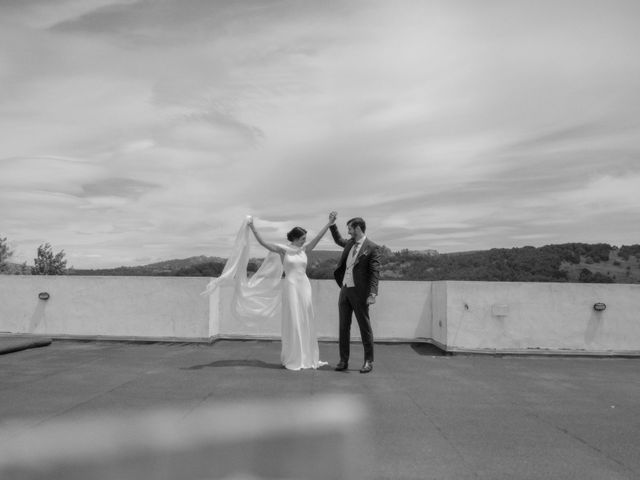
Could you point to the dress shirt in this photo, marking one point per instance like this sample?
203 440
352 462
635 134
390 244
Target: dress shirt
351 260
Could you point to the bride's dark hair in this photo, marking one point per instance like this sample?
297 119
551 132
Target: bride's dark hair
295 233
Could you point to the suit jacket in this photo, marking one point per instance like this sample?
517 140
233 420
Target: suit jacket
366 269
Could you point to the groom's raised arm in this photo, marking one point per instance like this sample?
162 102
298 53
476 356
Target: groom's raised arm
337 237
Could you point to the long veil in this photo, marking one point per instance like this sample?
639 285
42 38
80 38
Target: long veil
258 296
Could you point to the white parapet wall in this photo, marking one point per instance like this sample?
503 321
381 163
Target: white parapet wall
542 317
486 317
113 307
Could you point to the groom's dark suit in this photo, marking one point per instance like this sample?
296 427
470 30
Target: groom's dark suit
366 271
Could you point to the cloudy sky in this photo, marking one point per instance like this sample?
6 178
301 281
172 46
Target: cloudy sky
134 131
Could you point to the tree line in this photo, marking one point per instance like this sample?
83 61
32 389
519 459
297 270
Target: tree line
523 264
46 261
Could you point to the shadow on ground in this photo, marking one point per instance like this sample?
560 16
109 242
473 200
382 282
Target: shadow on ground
428 349
17 343
236 363
246 363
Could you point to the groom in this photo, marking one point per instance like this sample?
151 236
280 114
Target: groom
357 276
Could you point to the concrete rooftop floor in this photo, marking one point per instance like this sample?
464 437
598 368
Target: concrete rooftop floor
430 416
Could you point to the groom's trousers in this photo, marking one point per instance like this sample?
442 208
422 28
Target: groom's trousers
348 304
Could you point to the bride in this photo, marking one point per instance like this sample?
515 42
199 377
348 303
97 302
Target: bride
299 339
266 290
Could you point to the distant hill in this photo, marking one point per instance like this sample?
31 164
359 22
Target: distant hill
622 266
199 266
570 262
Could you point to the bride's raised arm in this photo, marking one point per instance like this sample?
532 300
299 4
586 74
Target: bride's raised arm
269 246
312 244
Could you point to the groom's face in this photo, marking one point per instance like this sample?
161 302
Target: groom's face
353 231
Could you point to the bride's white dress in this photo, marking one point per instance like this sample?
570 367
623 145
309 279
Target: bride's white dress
261 296
299 338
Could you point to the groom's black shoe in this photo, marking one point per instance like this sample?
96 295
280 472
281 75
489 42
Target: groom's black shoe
341 366
367 367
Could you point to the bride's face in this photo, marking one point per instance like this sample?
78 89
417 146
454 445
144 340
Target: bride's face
299 242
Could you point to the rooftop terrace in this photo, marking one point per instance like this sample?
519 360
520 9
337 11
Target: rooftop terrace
425 415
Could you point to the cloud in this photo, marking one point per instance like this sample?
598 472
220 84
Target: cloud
48 174
208 131
117 187
604 194
42 13
150 128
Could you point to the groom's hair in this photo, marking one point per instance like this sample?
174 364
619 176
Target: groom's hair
295 233
358 222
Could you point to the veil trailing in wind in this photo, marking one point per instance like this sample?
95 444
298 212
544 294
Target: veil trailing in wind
254 297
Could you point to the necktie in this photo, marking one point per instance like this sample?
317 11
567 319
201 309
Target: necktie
354 249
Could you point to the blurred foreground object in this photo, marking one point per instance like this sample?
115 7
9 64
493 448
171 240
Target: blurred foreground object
315 438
